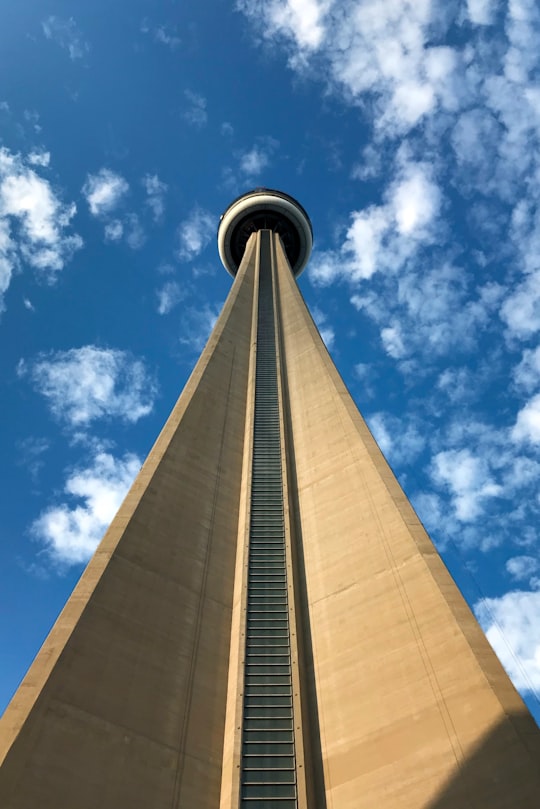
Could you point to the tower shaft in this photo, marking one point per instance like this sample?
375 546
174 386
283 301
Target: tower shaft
266 623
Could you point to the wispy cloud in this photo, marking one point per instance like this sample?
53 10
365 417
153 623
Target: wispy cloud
401 450
66 33
524 569
104 191
114 230
89 383
134 233
468 479
31 452
196 325
391 258
254 161
512 625
251 163
169 296
527 372
71 531
41 219
475 475
195 112
155 191
195 232
325 329
39 158
164 33
383 237
527 426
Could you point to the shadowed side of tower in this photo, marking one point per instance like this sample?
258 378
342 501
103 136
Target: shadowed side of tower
266 624
408 689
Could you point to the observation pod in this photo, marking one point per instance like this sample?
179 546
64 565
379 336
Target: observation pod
264 208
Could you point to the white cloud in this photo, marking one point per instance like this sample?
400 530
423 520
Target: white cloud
39 158
482 12
415 201
299 20
71 531
512 625
196 113
474 140
33 221
392 341
365 48
88 383
366 374
459 384
521 309
250 164
8 258
114 230
133 231
30 454
437 518
400 441
380 433
370 165
155 190
164 34
523 568
104 190
168 297
195 233
325 330
527 426
66 33
384 237
255 160
423 311
527 373
197 324
468 479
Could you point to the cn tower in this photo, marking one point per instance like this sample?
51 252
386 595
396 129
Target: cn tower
266 624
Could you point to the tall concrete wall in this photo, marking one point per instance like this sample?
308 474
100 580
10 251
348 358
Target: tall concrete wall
408 689
124 707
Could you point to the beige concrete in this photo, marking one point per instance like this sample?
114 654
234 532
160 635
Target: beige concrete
232 746
408 689
132 702
124 707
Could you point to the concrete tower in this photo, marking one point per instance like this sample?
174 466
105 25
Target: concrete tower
266 624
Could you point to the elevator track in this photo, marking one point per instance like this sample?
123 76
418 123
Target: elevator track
268 769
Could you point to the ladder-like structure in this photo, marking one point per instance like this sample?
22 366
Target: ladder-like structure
268 777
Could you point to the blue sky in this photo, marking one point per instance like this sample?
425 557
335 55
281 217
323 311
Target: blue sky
410 133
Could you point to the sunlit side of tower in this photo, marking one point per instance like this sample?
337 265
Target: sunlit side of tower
266 624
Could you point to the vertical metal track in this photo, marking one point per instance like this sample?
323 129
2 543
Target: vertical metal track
268 768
